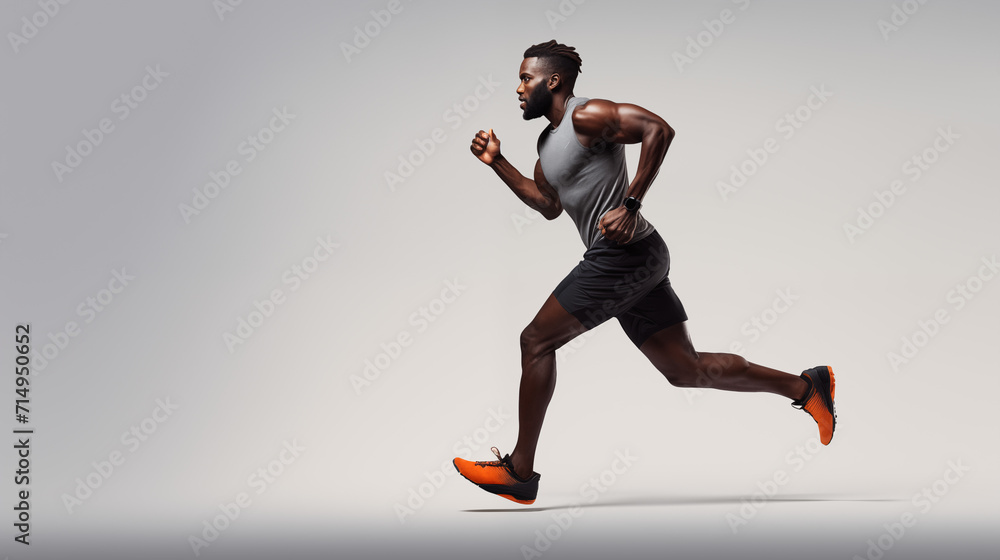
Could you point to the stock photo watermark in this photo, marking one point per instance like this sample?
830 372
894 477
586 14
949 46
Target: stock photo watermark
526 218
225 7
913 169
365 33
564 352
292 279
590 491
562 11
768 488
425 147
922 502
249 149
930 327
87 310
899 16
122 106
132 439
696 45
418 496
788 125
259 481
23 432
752 330
33 24
420 320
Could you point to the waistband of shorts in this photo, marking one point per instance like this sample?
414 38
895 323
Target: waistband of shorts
652 237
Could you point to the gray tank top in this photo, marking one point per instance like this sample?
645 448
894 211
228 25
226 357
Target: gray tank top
590 181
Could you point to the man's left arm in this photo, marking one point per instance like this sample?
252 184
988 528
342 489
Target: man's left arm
624 123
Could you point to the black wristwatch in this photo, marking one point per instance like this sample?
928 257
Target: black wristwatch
632 204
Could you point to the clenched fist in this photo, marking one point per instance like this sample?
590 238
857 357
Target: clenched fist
486 146
618 225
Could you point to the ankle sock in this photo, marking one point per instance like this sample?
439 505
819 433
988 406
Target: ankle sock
808 392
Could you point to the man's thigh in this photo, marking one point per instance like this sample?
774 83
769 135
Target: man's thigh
656 311
551 327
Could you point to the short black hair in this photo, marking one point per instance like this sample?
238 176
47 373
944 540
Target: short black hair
557 58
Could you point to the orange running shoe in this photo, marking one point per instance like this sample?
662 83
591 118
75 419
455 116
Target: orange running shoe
818 401
499 478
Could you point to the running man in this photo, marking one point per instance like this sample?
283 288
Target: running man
623 274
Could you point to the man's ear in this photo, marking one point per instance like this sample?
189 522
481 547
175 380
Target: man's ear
555 80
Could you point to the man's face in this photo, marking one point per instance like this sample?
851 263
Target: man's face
532 91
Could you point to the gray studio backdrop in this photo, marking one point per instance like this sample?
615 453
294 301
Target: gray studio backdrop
271 294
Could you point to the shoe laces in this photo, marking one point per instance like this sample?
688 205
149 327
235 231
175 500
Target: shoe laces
500 460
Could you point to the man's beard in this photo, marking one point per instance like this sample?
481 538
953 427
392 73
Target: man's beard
538 104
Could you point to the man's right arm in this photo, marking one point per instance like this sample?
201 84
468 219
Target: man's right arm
537 194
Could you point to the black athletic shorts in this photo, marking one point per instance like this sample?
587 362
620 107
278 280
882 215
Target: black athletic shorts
627 282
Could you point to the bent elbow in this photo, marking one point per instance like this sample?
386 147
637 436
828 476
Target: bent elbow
668 132
553 212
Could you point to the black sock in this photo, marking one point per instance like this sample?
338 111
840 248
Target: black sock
513 472
809 389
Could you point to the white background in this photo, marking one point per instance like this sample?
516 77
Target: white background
369 448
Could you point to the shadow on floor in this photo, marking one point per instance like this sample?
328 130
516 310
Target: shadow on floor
685 501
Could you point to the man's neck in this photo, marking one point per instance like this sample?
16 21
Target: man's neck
558 110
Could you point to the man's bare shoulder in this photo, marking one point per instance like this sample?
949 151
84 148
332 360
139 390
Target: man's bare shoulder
595 116
624 123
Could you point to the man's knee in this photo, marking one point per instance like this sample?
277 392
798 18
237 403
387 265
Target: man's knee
535 341
681 372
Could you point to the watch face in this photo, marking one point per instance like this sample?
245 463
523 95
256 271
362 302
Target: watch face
631 203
